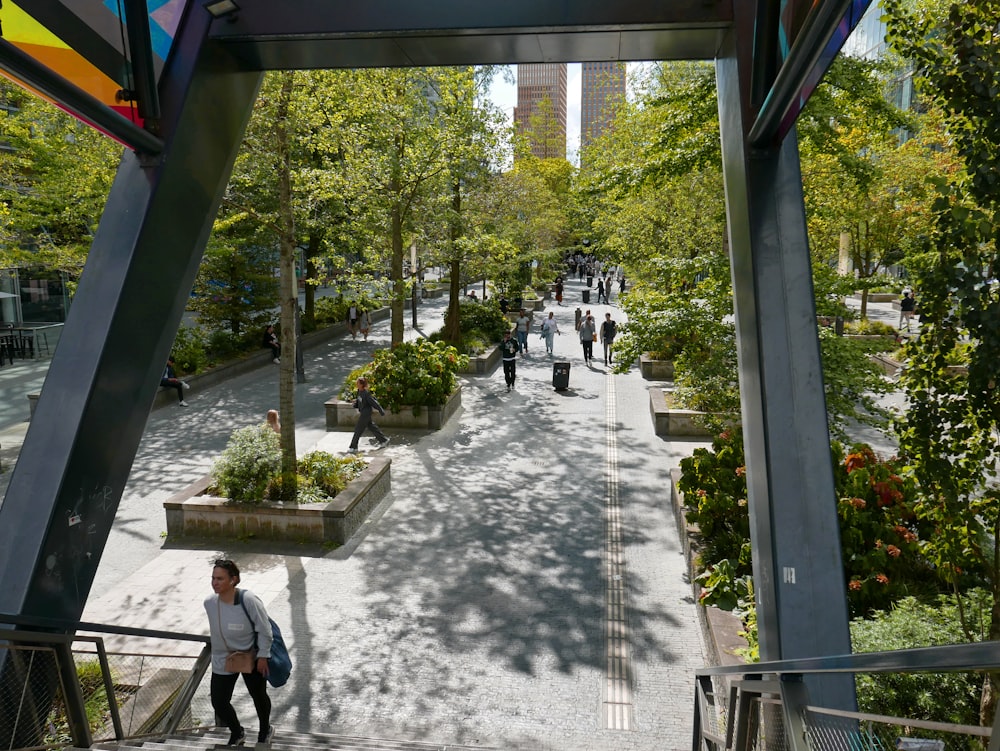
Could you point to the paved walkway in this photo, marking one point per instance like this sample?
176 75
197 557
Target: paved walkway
474 606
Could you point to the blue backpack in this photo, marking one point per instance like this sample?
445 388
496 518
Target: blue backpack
279 664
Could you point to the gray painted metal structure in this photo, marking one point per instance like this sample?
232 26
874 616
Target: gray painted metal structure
79 449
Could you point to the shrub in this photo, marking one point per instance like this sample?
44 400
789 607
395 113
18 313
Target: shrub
245 469
328 473
330 310
189 350
869 327
945 697
416 374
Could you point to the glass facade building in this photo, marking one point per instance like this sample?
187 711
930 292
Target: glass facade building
538 83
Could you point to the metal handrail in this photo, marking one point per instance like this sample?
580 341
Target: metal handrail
782 680
61 634
948 658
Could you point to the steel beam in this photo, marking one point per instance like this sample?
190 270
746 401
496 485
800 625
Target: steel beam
79 448
798 574
88 108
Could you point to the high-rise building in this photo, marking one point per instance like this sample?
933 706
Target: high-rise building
603 92
538 83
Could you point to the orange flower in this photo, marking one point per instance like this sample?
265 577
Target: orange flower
854 584
878 544
702 492
858 503
741 471
881 578
893 551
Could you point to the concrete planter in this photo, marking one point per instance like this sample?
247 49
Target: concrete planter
190 514
670 421
342 415
889 366
656 370
483 363
878 296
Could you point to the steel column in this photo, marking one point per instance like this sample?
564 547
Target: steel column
798 574
79 449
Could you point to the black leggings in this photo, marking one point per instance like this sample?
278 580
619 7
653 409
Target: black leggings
222 698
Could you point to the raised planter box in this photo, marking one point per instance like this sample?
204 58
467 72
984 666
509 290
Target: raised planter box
878 296
192 514
675 422
342 415
656 370
889 366
484 363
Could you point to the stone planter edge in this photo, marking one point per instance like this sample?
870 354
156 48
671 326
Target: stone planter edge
190 513
341 415
483 363
668 421
655 370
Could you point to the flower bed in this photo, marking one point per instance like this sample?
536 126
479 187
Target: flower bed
192 513
341 415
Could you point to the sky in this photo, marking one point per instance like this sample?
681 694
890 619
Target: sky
504 95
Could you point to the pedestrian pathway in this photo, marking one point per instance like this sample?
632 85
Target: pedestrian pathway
524 585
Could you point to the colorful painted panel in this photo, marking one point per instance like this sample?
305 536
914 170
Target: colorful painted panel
82 40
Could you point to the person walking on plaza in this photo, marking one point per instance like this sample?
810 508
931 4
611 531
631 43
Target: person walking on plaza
271 341
241 643
171 381
588 334
549 330
364 323
508 355
600 292
523 324
273 422
352 320
609 329
365 403
621 285
559 290
906 307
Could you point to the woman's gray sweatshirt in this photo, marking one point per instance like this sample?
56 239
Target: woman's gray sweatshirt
238 630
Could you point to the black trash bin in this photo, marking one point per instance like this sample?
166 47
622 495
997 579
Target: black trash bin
590 280
560 376
586 296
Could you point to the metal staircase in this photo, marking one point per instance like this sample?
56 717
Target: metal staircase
216 739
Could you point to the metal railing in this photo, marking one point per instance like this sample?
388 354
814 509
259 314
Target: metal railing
74 684
765 706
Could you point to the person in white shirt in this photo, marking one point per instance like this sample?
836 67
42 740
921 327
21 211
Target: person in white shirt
549 330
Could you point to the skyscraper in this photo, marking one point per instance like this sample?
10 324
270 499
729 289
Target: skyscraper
603 92
538 83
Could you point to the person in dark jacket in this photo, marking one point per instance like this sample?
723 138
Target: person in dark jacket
365 403
170 380
509 348
271 341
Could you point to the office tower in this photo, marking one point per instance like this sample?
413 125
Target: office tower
538 84
603 92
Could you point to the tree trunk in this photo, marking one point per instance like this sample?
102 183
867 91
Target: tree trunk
289 293
396 267
453 332
309 310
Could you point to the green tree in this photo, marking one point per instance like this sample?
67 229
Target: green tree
950 431
55 175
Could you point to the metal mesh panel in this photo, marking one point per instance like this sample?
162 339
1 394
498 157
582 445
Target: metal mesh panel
771 726
27 715
145 688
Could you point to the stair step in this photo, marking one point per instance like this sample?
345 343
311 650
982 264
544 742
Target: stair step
214 740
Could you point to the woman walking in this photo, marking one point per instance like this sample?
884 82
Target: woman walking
241 643
549 330
588 333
